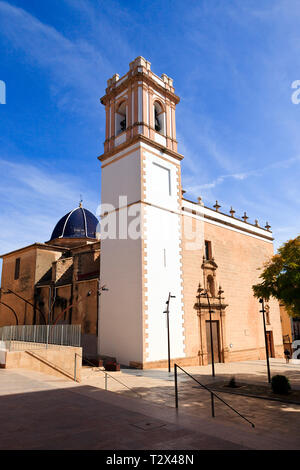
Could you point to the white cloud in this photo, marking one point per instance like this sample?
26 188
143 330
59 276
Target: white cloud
71 64
33 200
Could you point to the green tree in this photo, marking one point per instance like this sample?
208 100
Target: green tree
281 277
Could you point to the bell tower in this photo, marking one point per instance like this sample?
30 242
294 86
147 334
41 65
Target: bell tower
141 220
140 104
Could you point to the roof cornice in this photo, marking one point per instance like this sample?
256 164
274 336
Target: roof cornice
140 138
116 89
43 246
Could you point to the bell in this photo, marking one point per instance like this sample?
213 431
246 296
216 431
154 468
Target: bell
157 123
123 125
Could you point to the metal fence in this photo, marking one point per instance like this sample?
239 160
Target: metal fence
39 336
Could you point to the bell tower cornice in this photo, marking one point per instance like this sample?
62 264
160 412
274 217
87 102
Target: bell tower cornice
140 138
139 71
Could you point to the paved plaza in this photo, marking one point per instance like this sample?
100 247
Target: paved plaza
44 412
157 386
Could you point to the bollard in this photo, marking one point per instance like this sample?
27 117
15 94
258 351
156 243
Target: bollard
47 337
75 367
105 381
212 405
176 388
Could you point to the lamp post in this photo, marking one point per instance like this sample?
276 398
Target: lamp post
167 311
220 298
100 289
204 293
266 342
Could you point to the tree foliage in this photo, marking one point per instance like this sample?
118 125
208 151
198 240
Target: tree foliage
281 277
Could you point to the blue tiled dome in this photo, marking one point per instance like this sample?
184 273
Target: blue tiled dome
79 223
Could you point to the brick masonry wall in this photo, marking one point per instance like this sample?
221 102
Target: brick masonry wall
34 264
60 268
24 286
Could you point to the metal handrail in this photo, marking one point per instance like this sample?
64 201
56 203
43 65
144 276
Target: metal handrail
53 365
212 395
114 378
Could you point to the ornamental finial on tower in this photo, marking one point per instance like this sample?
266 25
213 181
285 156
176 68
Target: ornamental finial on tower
113 79
245 217
232 212
267 226
140 62
217 206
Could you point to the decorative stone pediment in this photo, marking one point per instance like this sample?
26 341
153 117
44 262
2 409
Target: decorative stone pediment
215 304
209 264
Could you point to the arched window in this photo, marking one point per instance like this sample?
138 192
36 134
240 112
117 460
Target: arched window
211 285
121 121
159 118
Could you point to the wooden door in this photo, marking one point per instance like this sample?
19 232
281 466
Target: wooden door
216 340
270 343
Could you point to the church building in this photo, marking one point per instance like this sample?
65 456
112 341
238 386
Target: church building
155 242
158 252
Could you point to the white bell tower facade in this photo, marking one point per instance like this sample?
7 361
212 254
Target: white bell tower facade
141 234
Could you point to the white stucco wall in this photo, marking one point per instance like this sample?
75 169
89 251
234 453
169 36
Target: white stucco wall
163 258
2 352
121 315
121 320
122 177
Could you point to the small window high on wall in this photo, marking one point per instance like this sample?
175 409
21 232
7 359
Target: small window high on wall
159 118
17 268
121 120
208 252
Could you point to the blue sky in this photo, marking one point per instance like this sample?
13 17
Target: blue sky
233 63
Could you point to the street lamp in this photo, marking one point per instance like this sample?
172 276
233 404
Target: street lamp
204 293
167 311
220 298
265 333
100 289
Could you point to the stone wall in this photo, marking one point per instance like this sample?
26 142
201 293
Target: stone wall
54 360
238 257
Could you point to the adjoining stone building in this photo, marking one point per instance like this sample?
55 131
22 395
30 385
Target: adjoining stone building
56 281
154 242
290 332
